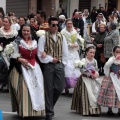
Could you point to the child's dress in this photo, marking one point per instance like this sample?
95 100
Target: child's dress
109 95
85 94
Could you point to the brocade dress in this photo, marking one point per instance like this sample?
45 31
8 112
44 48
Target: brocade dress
84 99
27 89
109 95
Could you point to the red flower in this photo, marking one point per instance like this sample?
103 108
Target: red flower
92 71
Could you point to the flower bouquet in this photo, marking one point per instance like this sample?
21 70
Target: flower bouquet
6 53
73 38
9 49
78 64
88 70
39 33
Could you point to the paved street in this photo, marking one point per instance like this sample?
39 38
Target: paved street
62 110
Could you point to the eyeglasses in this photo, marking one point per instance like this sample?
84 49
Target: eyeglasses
53 25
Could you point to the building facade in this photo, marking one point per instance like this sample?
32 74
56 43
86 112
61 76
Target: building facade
3 4
25 7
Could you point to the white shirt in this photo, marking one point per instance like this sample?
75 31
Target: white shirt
48 58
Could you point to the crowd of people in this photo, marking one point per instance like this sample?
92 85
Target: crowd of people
42 66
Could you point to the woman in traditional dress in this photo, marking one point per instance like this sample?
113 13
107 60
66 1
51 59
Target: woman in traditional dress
71 73
7 35
27 86
84 99
109 95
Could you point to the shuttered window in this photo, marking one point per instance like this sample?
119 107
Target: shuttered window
19 7
84 4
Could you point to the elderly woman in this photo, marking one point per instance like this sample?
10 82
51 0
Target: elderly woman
111 39
99 43
71 73
7 35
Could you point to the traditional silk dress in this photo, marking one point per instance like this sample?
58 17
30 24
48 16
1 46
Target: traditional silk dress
27 89
71 73
109 95
85 94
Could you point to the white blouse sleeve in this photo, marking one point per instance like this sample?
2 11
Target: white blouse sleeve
108 65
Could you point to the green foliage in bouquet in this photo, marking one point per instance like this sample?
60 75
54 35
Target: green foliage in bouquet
73 38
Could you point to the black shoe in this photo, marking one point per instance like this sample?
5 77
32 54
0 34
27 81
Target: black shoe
118 113
2 87
110 113
49 117
101 74
7 90
66 91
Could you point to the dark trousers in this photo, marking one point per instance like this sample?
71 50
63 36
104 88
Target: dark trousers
54 80
100 64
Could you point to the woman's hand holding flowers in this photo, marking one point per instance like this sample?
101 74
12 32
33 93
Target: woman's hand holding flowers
74 46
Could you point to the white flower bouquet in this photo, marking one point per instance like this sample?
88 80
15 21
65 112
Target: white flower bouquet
89 69
78 64
9 49
39 33
6 53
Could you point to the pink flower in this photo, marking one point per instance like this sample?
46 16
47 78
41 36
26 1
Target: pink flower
118 57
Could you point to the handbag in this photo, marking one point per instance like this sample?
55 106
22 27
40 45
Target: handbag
102 58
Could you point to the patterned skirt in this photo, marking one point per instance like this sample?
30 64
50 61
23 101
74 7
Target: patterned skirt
107 96
80 101
20 97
